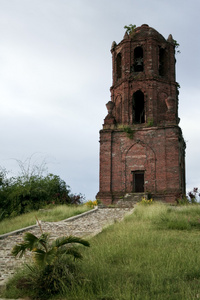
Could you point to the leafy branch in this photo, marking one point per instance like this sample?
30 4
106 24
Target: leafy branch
176 45
130 29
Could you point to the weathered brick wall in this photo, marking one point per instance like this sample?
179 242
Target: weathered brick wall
157 147
154 150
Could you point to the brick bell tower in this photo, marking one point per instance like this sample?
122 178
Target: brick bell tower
142 149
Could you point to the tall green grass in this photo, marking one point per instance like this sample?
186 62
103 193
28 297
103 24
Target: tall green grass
57 213
180 218
142 258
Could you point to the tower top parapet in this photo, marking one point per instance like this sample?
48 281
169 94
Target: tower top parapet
143 32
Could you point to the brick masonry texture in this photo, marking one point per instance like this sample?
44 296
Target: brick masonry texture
141 133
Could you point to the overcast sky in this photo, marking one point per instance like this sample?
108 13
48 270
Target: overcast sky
55 76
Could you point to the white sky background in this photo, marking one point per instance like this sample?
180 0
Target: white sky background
56 72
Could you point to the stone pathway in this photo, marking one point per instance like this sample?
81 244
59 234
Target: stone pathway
85 225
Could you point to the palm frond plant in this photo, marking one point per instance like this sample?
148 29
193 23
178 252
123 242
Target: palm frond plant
44 251
52 269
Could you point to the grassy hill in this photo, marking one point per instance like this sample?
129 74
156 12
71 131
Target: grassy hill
152 254
49 214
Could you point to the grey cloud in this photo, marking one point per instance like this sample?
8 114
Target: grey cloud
55 75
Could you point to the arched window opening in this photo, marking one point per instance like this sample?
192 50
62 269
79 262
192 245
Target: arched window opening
162 62
138 59
119 65
138 107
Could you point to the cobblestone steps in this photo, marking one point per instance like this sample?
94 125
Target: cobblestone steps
85 225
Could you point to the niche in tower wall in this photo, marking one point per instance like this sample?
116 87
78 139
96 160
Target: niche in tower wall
162 62
138 107
119 65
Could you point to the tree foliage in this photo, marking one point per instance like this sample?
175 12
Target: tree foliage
32 190
194 195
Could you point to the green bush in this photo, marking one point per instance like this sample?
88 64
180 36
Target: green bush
31 189
23 194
